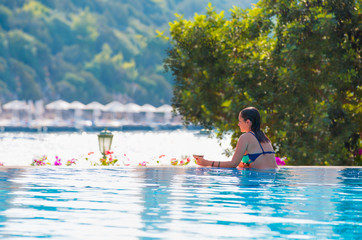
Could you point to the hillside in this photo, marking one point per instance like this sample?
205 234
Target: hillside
89 50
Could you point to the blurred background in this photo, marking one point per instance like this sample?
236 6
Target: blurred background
92 50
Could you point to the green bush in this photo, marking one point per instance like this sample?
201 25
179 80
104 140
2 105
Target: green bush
297 62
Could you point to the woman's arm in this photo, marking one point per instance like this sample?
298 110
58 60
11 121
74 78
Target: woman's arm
236 159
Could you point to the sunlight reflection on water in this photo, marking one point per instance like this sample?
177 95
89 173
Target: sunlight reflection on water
180 203
20 148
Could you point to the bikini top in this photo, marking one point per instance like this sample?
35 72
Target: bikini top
249 158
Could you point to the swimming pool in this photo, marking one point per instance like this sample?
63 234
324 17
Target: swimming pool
180 203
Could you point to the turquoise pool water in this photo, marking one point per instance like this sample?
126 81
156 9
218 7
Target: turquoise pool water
180 203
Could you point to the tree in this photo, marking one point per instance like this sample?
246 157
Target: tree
82 86
24 76
298 62
55 37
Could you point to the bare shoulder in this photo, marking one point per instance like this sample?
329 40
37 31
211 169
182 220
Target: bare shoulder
245 136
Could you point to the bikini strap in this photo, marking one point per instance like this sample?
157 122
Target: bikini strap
258 141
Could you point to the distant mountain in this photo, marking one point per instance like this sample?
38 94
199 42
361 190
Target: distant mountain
89 50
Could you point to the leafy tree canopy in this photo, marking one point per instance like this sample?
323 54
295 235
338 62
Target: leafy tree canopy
298 62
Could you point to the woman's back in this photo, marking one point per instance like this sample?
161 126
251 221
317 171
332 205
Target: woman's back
253 148
263 152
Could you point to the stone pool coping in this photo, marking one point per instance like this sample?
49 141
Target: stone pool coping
26 167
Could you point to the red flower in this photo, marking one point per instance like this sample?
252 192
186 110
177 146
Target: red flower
108 152
90 153
174 161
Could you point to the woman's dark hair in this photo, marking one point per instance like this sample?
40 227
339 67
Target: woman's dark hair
252 114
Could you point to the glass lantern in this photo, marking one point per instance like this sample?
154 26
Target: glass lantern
105 141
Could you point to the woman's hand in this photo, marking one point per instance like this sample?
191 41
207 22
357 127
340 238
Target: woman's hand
199 159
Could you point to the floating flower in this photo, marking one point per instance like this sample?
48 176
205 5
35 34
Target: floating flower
110 160
108 152
103 161
57 161
1 164
41 161
71 162
174 161
279 161
144 164
185 161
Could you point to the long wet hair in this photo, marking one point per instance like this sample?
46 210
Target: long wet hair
252 114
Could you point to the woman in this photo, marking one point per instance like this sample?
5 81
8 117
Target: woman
254 148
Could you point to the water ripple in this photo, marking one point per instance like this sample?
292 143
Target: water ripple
176 203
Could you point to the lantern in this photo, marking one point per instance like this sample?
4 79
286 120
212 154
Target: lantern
105 141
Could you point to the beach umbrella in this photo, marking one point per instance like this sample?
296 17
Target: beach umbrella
115 106
132 108
39 108
31 109
148 108
167 110
76 105
58 105
16 105
31 106
78 108
164 108
95 106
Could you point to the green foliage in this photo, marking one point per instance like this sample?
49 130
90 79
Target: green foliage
5 15
59 41
25 85
297 62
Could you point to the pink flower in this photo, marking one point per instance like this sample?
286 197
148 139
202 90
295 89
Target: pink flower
161 156
108 152
182 162
70 162
127 162
1 164
188 159
279 161
144 164
57 161
173 161
90 153
359 151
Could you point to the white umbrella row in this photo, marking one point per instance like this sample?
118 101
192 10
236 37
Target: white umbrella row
114 106
16 105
